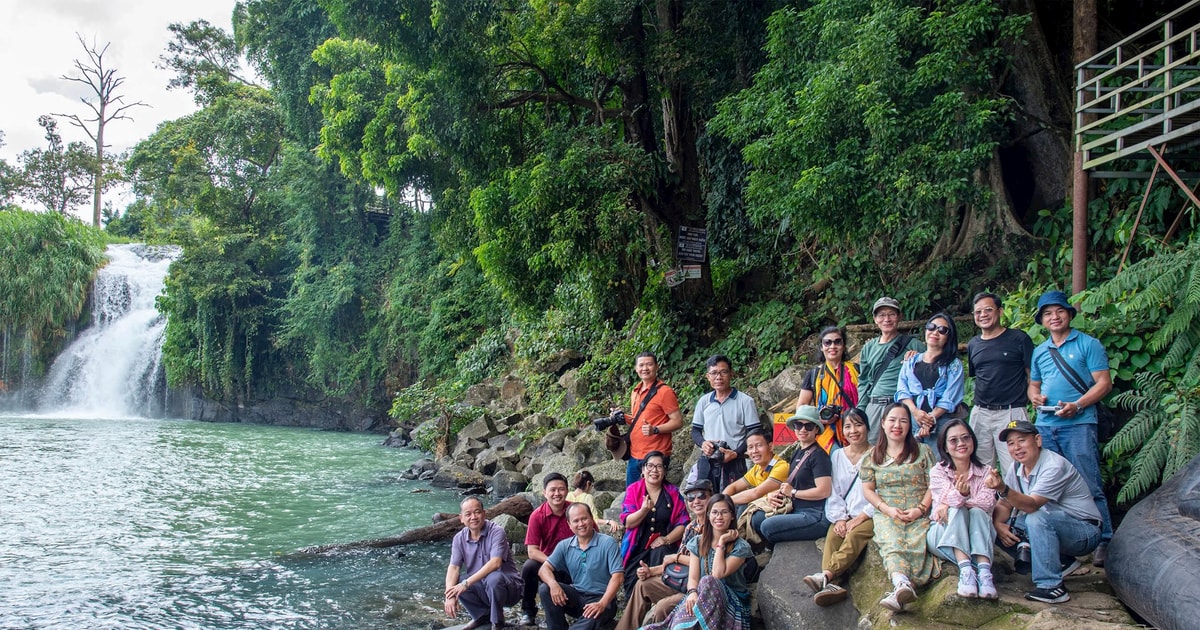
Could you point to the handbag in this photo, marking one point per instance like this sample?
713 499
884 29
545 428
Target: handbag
675 575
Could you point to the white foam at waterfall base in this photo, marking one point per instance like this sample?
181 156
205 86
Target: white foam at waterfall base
114 368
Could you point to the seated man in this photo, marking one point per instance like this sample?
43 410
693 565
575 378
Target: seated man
765 476
591 597
482 575
547 527
650 590
1054 509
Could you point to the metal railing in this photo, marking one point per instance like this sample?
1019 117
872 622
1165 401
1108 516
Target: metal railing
1141 93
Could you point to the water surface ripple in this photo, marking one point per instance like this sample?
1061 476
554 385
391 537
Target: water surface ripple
178 524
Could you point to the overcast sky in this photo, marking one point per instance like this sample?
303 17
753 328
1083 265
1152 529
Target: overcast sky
38 45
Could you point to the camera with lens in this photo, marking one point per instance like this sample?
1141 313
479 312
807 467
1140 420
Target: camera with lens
830 414
615 419
717 458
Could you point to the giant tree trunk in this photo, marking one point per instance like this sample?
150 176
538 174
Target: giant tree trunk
987 230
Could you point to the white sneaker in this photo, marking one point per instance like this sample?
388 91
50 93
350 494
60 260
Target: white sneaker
891 603
967 583
987 588
905 594
816 581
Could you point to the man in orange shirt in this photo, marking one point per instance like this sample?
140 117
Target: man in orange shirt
653 424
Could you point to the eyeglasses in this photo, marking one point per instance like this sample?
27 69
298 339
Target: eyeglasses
966 439
697 497
719 372
831 342
941 330
987 310
720 513
652 466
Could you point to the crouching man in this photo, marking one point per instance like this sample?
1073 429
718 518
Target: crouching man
593 563
482 576
1053 508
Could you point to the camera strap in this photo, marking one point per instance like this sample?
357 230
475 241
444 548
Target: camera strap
642 407
836 378
898 346
800 464
1067 371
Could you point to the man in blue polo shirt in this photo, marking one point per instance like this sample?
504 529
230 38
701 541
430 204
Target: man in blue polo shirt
593 561
1069 372
726 416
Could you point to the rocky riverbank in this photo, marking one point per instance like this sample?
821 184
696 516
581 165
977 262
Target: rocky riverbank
506 452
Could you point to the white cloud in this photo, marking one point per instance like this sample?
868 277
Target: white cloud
38 44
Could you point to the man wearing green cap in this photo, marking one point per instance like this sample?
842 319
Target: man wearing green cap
879 363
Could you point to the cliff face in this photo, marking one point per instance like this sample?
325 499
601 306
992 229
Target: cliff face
288 407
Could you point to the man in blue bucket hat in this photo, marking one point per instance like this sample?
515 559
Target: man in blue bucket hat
1068 377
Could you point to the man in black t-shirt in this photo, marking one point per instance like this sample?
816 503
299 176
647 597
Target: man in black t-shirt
999 360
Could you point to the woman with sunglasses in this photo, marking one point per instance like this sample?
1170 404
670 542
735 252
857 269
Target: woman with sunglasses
654 515
931 383
962 530
848 510
832 386
650 590
798 506
895 481
718 596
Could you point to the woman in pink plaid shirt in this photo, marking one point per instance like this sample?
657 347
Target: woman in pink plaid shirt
962 529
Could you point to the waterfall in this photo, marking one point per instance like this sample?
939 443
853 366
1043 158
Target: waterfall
114 368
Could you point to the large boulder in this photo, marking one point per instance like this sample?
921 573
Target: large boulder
480 394
466 449
575 388
785 385
481 429
506 483
492 460
514 529
609 475
559 463
561 361
786 603
587 447
512 393
455 476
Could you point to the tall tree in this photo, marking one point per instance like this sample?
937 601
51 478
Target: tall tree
560 141
60 176
107 105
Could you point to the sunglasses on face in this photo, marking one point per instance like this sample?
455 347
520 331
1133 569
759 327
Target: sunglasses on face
807 426
941 330
831 342
697 497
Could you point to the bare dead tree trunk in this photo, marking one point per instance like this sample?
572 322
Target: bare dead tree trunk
107 107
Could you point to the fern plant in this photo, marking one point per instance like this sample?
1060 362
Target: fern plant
1163 434
1164 288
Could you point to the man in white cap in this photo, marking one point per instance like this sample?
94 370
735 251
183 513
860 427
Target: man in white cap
880 361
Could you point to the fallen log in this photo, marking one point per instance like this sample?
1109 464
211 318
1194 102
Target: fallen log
517 506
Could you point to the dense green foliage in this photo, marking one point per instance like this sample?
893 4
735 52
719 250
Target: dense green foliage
47 262
430 193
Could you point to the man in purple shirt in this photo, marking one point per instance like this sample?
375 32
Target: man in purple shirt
482 575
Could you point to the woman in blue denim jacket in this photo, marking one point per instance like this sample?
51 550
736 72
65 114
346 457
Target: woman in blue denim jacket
931 383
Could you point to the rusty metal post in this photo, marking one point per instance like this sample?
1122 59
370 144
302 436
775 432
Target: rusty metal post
1079 225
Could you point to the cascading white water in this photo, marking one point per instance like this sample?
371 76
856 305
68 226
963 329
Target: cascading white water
114 368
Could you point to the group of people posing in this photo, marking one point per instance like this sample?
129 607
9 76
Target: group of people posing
884 450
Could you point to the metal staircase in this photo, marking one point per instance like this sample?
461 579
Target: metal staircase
1141 97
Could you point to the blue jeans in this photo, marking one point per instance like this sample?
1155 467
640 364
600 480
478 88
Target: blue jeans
970 531
1052 534
633 470
1078 443
803 524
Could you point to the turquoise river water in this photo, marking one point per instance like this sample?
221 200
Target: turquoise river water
178 524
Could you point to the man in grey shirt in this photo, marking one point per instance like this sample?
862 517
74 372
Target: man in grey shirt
1054 509
723 415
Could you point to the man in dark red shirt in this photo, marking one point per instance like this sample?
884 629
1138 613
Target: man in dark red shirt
547 526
